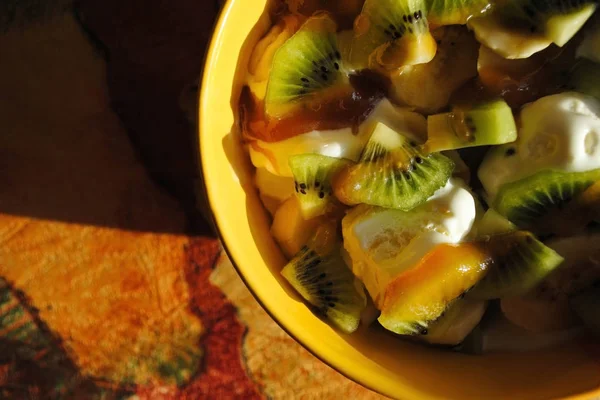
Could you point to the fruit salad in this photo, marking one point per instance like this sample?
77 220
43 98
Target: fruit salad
432 167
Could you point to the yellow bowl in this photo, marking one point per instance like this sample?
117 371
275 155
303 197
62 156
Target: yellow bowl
370 357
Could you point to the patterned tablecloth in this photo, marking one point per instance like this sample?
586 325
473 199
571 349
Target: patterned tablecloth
111 283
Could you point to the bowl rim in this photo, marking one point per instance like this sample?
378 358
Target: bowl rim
210 55
205 73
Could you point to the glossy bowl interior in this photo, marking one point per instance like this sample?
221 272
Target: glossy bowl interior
370 357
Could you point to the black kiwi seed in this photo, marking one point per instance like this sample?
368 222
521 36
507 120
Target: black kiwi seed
303 186
336 65
321 195
511 152
338 55
302 191
422 330
303 79
419 160
317 184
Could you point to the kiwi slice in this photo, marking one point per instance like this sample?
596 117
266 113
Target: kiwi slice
520 262
527 200
419 296
488 123
392 33
492 223
509 40
587 306
547 307
306 68
585 78
454 12
577 216
521 28
558 20
392 172
456 323
312 180
319 274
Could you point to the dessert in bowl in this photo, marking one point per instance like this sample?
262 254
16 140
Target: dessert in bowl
387 248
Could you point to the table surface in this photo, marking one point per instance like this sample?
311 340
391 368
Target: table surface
111 282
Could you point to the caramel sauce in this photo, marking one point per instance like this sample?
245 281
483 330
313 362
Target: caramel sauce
347 110
523 81
471 92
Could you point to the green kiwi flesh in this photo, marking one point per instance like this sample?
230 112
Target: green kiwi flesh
520 262
392 172
585 78
558 20
392 33
527 200
454 12
547 307
580 268
305 67
492 223
328 285
586 305
312 181
488 123
456 323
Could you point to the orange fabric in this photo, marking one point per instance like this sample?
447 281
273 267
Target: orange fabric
112 284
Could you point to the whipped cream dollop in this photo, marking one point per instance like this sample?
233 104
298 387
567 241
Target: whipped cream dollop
559 132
